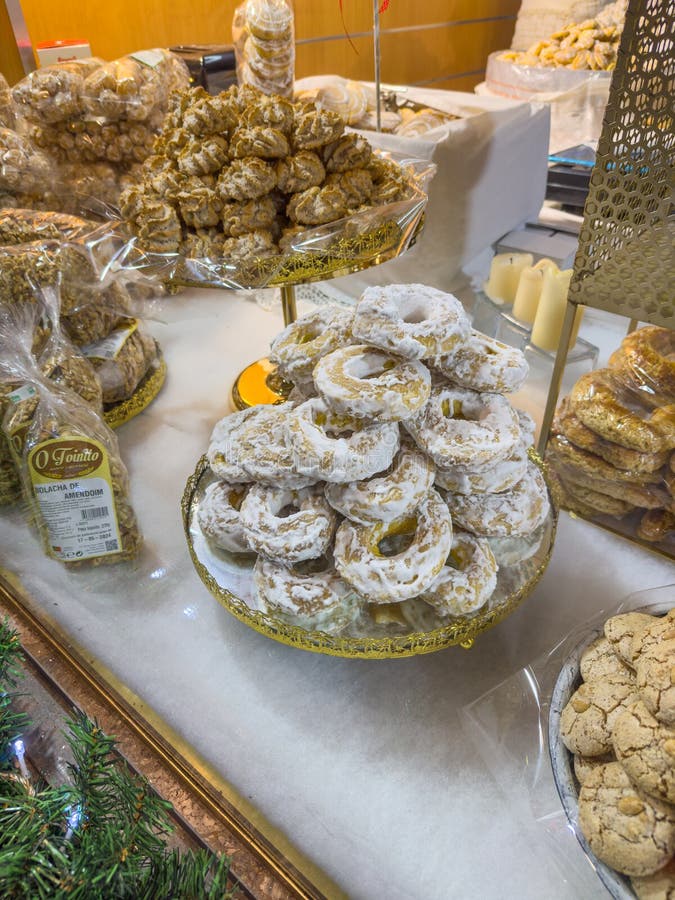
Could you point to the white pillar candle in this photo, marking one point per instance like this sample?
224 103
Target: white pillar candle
530 284
551 309
505 271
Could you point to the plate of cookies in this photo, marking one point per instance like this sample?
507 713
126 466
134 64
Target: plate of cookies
245 189
394 504
612 746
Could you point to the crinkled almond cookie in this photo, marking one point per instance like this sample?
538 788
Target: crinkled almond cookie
599 661
621 630
660 629
586 722
646 750
626 829
655 678
584 765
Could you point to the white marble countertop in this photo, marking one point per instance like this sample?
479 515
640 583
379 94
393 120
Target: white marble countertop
364 765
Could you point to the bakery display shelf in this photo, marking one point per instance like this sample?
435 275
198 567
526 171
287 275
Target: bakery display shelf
416 628
148 388
562 761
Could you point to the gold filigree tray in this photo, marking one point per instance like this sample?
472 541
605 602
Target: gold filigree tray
148 388
420 629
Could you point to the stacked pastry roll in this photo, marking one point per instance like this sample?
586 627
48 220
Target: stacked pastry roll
613 444
397 472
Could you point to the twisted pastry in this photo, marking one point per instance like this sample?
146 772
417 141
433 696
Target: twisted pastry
201 157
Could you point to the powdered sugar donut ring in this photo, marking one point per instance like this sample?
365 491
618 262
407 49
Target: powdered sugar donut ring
389 496
219 518
489 478
252 445
287 525
372 384
413 320
311 596
528 427
331 448
298 348
484 364
516 512
386 579
467 580
458 426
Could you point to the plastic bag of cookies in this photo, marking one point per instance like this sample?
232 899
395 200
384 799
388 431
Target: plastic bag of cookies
612 445
74 482
264 42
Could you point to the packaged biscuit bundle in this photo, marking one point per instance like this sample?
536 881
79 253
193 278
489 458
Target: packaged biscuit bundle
7 109
122 360
74 481
264 42
613 440
26 174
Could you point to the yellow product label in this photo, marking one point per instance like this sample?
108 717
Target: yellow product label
111 346
73 488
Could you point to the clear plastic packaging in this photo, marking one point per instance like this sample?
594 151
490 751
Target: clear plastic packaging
264 42
245 191
7 109
122 359
612 446
75 484
515 728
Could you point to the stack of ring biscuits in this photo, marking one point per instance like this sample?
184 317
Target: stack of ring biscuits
393 475
620 726
241 176
613 443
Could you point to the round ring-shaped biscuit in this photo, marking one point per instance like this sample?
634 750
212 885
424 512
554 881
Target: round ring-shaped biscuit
513 513
312 597
490 478
298 348
391 579
393 495
467 580
596 401
462 427
650 353
251 445
331 448
286 525
219 519
368 383
412 320
485 364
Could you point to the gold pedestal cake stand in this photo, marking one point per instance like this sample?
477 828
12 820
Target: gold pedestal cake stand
380 631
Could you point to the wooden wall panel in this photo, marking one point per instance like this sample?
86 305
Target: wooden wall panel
10 61
432 49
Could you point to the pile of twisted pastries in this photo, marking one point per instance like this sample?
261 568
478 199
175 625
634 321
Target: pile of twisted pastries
613 444
620 724
240 175
591 44
397 470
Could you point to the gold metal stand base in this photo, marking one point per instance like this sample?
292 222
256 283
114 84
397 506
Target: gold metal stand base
259 383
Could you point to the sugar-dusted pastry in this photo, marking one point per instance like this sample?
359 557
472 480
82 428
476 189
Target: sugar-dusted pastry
467 580
366 383
349 151
258 243
513 513
203 156
299 172
493 477
387 496
485 364
315 128
261 141
219 516
298 348
287 525
247 179
384 578
240 218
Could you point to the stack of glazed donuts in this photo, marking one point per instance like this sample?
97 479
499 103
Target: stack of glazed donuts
397 470
613 443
